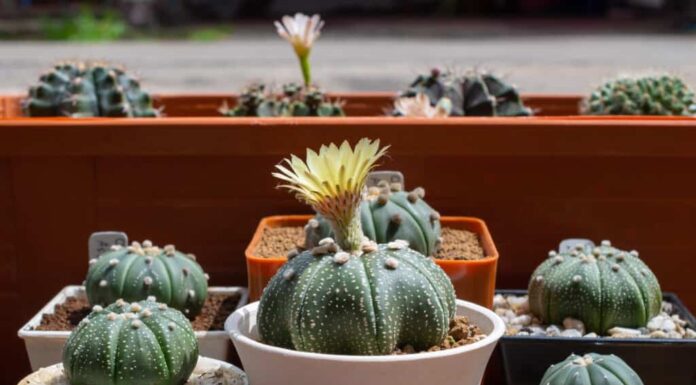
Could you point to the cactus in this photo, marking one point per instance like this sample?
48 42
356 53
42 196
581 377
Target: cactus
388 213
472 94
88 89
350 295
604 287
591 369
131 343
138 271
294 101
646 95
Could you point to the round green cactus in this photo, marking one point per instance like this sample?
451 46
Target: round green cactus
646 95
88 89
131 343
295 100
388 213
139 271
604 287
350 295
591 369
472 94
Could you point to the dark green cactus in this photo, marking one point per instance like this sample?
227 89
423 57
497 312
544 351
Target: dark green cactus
472 94
85 89
139 271
388 214
647 95
351 296
604 287
591 369
131 343
295 100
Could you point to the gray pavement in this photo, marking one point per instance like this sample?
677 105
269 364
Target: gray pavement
351 59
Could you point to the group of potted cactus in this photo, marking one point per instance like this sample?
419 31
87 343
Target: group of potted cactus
377 286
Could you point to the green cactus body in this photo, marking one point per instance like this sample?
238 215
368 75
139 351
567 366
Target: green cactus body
88 90
647 95
329 301
143 343
388 214
139 271
604 287
472 94
591 369
294 101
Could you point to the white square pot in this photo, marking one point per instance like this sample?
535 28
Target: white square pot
45 347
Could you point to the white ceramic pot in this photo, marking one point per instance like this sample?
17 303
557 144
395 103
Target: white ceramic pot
45 347
270 365
207 372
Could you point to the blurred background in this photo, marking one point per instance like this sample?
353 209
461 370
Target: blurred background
562 46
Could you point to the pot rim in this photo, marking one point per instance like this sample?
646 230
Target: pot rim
233 321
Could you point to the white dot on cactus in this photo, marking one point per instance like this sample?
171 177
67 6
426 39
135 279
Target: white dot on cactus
634 253
341 257
171 325
116 247
186 311
620 258
326 241
97 308
147 243
412 197
577 278
169 250
615 267
136 324
111 316
382 199
191 256
135 308
162 306
147 281
207 277
596 251
539 278
579 247
148 260
113 262
191 293
644 272
120 302
434 216
313 223
391 263
92 261
103 283
152 298
85 321
368 247
135 244
185 271
147 313
557 259
288 274
396 218
606 243
552 253
397 244
420 191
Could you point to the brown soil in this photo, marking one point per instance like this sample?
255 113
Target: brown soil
461 333
68 314
456 244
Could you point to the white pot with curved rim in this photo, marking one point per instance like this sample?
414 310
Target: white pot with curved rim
270 365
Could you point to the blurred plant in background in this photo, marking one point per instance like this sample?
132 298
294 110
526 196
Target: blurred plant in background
87 25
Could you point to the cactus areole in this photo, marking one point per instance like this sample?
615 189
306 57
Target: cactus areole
143 342
141 270
591 369
604 287
349 295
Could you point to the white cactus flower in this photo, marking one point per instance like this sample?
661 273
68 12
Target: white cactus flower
419 106
301 31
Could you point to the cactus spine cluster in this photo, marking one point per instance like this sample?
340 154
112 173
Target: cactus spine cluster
646 95
139 271
295 100
472 94
87 89
350 295
388 213
591 369
131 343
604 287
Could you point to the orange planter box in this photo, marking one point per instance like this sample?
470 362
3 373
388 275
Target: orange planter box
473 280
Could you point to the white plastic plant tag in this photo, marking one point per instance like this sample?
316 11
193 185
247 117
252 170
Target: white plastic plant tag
101 241
375 177
569 244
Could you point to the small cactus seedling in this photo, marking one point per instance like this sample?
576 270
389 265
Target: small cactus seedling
88 89
472 94
388 213
295 100
350 295
142 270
604 287
131 343
644 95
591 369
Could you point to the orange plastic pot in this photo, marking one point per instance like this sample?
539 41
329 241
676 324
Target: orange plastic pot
473 280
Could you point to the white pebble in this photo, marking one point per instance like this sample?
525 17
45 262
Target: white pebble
690 333
499 302
571 333
591 335
519 304
576 324
674 334
523 320
624 332
658 334
553 331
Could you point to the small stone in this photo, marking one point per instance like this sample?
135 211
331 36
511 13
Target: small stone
499 301
572 333
523 320
397 244
667 307
391 263
658 334
509 315
519 304
523 333
678 321
675 335
97 309
575 324
619 332
591 335
341 257
553 331
690 333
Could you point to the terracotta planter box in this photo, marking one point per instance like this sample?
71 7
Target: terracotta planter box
473 281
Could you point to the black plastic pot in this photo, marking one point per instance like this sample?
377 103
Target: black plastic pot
657 361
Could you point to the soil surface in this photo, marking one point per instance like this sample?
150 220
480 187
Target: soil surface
461 333
68 314
456 244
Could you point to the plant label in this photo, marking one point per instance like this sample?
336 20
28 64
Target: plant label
101 242
567 245
375 177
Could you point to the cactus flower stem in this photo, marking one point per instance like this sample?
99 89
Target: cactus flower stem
306 69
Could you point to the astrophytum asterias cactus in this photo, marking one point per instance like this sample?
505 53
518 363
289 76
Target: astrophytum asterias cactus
142 342
141 270
349 295
591 369
388 213
603 286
